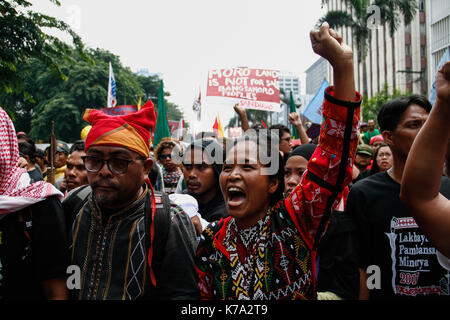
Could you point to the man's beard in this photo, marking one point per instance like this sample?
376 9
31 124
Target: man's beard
106 199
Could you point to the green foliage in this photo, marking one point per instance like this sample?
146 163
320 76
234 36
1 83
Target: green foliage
43 78
372 106
65 116
51 98
392 10
22 37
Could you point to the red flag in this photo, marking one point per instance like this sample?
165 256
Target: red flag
216 127
264 125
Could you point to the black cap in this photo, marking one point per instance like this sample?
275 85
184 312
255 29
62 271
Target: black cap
61 146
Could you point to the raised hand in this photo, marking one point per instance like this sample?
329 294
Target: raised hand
328 44
294 119
239 109
443 83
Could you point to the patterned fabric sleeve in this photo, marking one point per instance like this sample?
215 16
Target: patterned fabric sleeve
323 185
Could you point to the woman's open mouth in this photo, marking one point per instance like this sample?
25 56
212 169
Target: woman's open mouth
235 196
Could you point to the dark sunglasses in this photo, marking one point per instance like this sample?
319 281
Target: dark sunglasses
164 157
115 165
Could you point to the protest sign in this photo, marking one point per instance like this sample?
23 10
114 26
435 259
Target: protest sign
252 88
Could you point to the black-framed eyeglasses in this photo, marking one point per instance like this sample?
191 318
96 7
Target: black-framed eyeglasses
165 156
115 165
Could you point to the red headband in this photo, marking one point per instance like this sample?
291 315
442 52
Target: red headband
131 131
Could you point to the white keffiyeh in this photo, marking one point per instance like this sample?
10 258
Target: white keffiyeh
16 192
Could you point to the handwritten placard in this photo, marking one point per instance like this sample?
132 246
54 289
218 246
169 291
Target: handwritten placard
252 88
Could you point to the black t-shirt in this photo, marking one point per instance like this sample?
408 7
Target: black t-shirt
35 175
338 262
25 264
389 239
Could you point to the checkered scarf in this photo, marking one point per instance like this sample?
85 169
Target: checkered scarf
16 192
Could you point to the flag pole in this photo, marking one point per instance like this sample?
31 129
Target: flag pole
51 176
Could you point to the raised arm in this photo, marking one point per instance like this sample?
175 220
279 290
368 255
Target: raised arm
421 179
242 113
295 120
330 167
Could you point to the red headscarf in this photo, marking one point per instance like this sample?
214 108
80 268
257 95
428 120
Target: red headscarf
131 131
16 192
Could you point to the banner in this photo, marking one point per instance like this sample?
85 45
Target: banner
120 110
314 109
252 88
174 125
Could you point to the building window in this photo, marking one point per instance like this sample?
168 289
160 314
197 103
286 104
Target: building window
423 51
421 5
408 28
408 50
422 28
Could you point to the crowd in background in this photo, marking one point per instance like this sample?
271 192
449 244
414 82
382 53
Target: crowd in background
335 221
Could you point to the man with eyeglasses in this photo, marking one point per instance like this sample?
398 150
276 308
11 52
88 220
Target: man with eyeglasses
128 241
285 138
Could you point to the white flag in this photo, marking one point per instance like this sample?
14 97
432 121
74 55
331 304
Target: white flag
197 106
112 100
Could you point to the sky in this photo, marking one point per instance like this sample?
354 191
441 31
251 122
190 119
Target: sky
183 39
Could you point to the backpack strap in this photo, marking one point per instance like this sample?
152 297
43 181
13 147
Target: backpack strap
157 210
74 201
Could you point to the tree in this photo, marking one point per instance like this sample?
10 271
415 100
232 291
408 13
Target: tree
358 25
372 106
391 11
22 38
64 101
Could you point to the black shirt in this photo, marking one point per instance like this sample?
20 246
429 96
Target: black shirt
25 264
389 239
338 262
35 175
214 210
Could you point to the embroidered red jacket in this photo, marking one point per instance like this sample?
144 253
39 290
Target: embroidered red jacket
282 264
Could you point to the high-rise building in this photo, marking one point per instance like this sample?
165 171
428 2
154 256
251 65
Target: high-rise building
400 62
315 74
289 81
438 17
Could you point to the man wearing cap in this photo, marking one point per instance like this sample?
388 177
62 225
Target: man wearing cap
202 164
61 156
129 242
363 159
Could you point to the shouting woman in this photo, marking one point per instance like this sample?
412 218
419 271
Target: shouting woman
267 248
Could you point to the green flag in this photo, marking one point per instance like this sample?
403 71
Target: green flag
294 130
162 125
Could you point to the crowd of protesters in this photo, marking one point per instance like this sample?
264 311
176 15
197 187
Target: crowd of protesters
360 213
